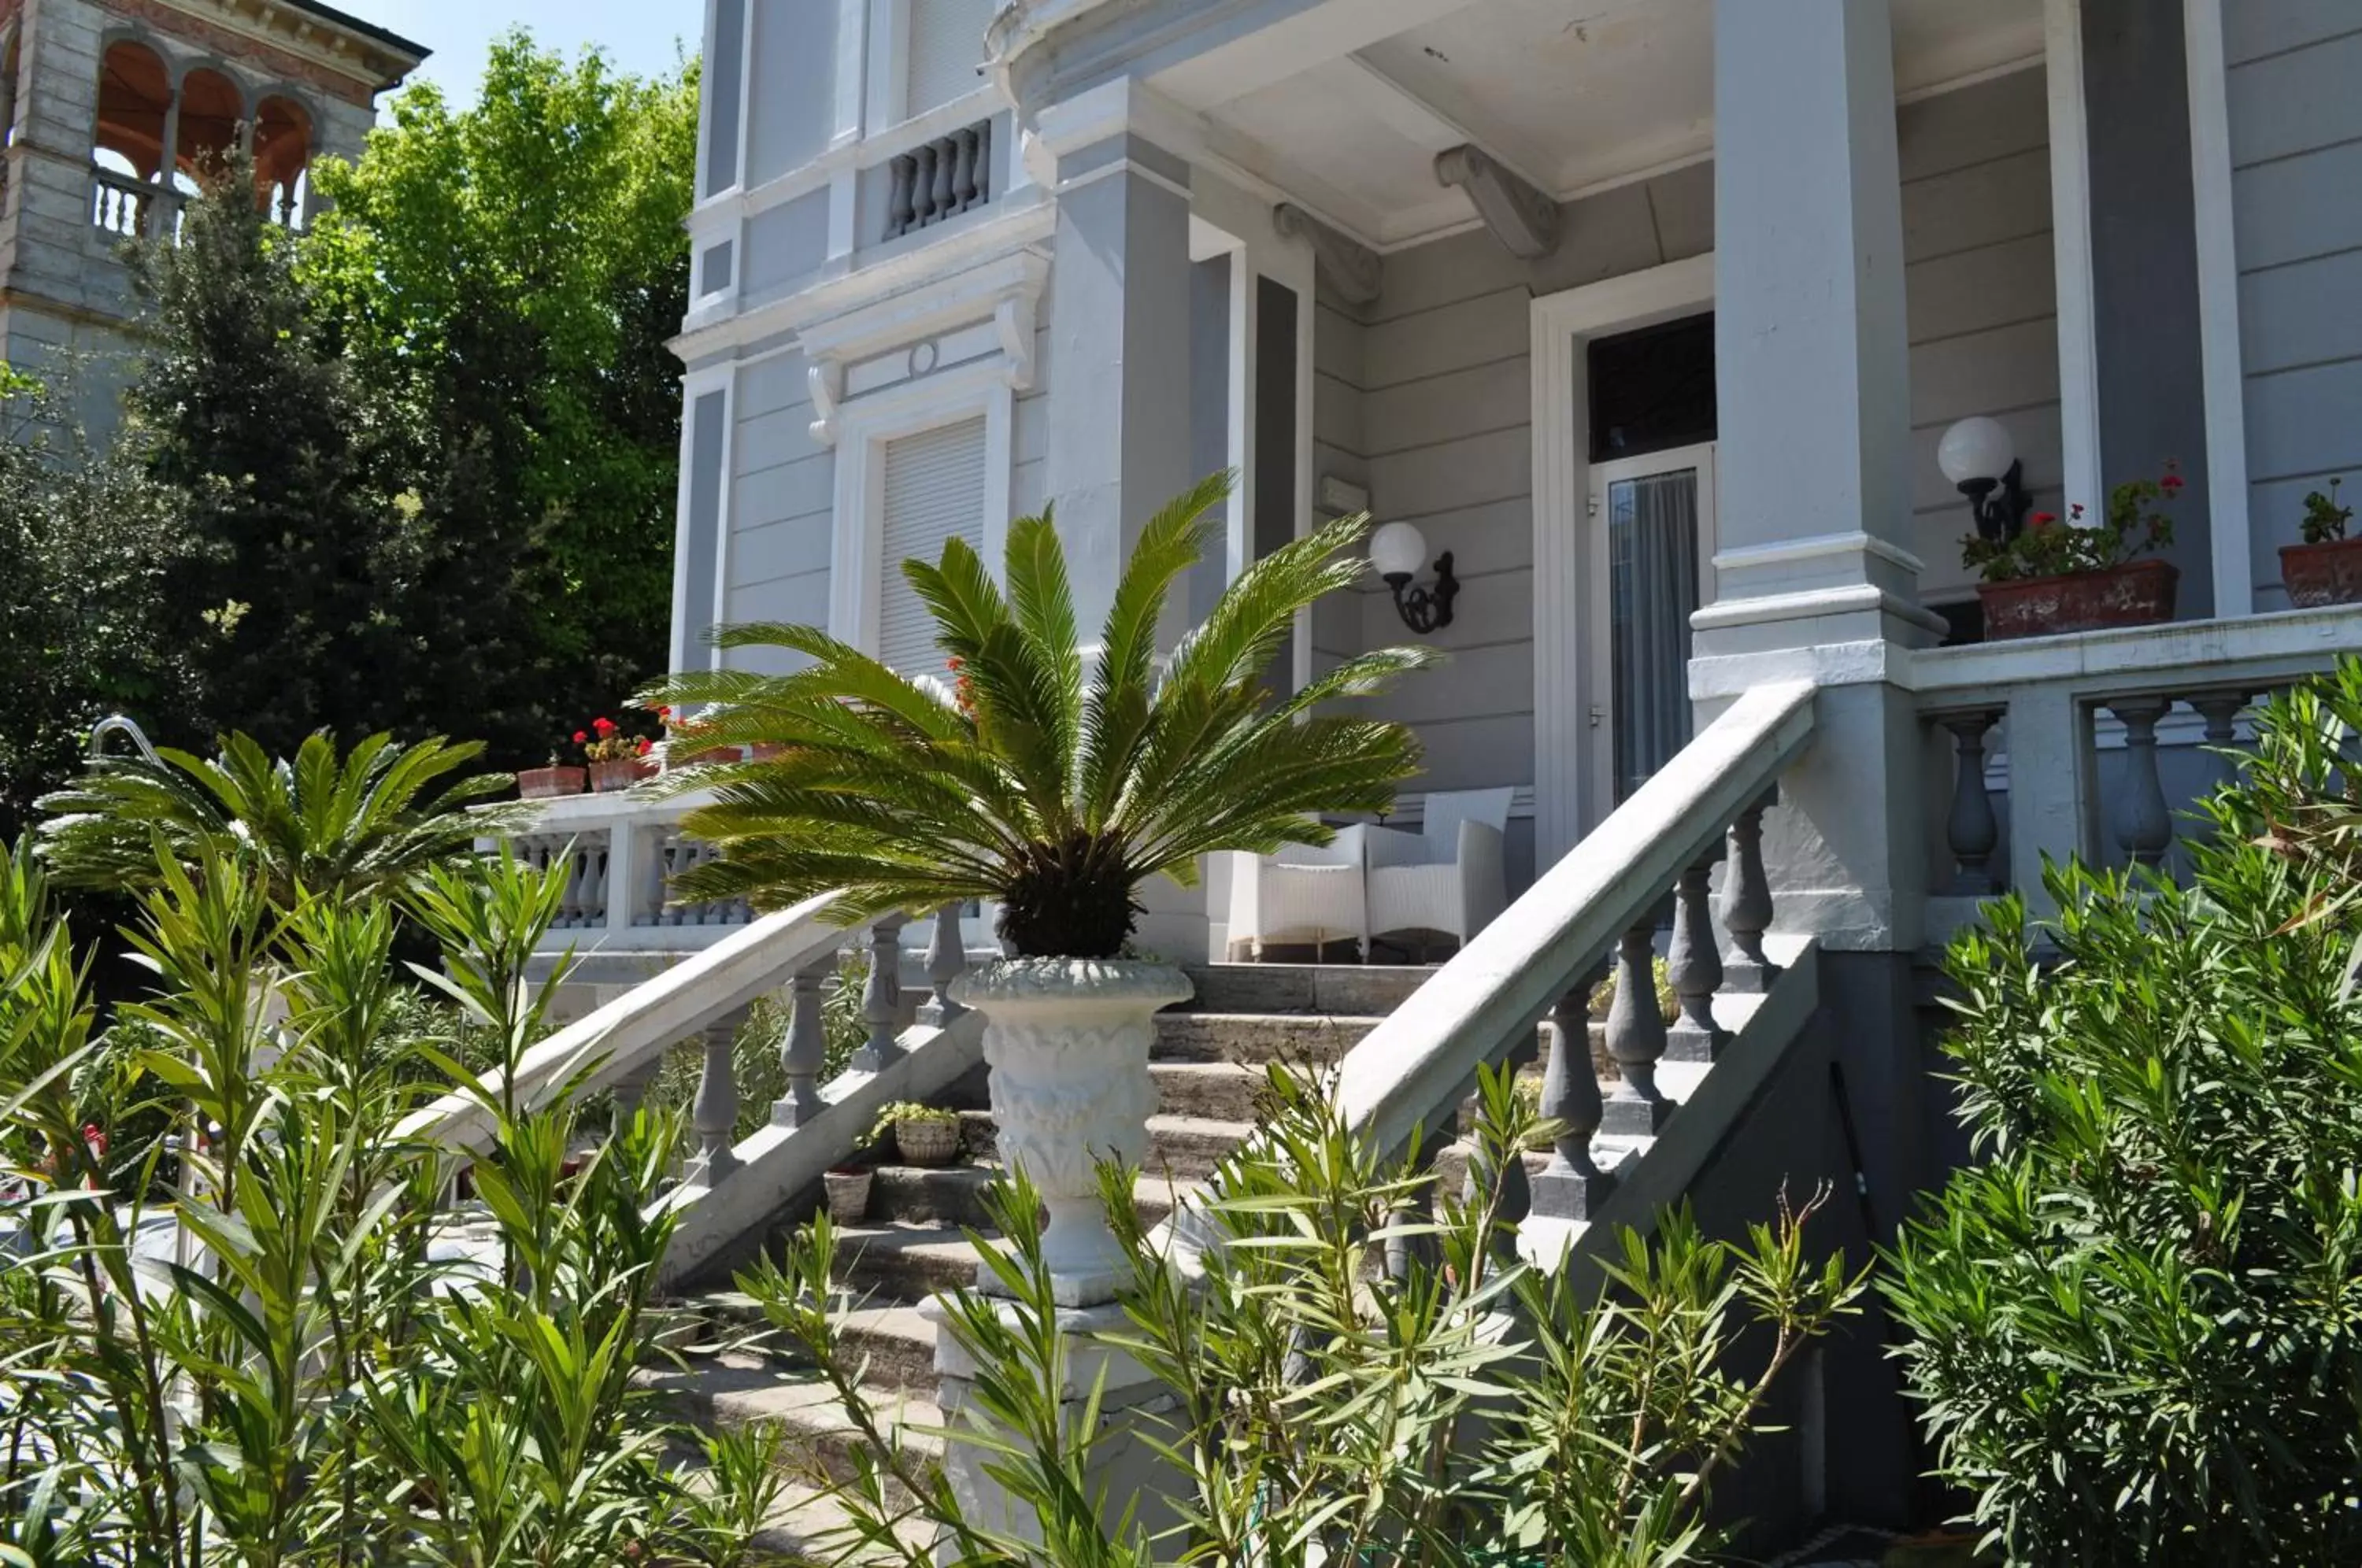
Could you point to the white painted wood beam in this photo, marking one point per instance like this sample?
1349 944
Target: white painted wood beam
1258 57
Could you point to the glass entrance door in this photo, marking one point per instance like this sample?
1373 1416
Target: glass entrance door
1653 521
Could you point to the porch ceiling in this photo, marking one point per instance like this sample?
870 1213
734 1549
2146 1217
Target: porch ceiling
1572 94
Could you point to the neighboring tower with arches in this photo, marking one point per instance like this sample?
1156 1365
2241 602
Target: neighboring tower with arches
108 111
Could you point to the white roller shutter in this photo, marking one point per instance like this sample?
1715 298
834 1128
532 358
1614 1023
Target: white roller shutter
946 48
934 491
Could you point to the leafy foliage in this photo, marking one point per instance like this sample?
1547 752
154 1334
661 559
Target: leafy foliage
1054 791
373 820
1351 1380
2138 1329
94 547
2325 520
2135 523
248 1337
505 277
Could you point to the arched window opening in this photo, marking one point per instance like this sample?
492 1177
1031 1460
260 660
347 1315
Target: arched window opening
283 157
10 51
211 117
134 100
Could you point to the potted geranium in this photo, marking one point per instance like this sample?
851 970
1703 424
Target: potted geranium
618 760
2080 576
550 782
2327 567
1055 785
688 743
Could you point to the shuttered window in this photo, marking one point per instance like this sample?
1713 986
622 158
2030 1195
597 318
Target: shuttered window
934 491
946 46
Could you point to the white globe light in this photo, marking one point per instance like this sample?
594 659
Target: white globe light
1975 449
1398 549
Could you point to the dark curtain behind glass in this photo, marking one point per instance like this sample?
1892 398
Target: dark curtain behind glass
1652 541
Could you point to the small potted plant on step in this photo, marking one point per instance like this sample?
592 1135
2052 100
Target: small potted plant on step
923 1135
549 783
2079 576
617 760
2327 567
1056 786
847 1191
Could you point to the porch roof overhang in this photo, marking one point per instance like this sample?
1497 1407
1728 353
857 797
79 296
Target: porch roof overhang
1346 104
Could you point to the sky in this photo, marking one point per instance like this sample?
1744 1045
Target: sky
638 35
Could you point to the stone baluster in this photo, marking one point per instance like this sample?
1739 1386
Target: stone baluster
714 1112
1516 1192
1573 1185
1406 1253
946 961
1971 831
594 864
572 905
1636 1038
803 1048
1693 968
983 193
631 1090
922 186
1746 907
652 875
945 157
963 156
2221 710
2143 823
899 216
881 998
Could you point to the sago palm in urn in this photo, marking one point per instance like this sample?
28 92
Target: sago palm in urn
1054 781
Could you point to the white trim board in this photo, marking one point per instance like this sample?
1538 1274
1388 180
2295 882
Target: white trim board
2221 378
2070 224
1559 326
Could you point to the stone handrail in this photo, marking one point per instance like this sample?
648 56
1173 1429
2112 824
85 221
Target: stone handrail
1411 1071
2156 695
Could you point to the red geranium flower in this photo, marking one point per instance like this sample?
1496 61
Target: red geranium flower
604 726
2075 513
2043 519
579 738
645 744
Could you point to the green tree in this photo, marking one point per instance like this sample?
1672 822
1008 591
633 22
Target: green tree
92 547
289 594
506 276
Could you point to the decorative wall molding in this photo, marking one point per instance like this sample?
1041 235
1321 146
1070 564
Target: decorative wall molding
1350 268
1523 219
1001 297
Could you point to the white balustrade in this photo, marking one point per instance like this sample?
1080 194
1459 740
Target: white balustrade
2097 745
938 179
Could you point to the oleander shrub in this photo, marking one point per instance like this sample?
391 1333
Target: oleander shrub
2135 1326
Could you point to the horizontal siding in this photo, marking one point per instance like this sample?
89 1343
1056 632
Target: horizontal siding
2295 155
782 483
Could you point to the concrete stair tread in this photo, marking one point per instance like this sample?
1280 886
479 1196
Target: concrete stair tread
1253 1039
1371 990
738 1387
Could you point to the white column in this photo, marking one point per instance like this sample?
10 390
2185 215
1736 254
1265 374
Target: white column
1119 425
2070 231
1814 406
2224 373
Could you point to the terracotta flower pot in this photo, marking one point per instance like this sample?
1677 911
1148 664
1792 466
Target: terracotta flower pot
2328 573
2137 593
703 754
767 751
609 777
549 783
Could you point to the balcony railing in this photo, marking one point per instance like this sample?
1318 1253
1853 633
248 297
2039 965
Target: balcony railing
940 179
2095 746
621 857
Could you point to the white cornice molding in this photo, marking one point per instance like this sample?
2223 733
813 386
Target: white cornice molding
1005 292
945 254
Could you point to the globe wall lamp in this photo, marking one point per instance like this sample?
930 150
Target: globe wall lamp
1399 550
1978 456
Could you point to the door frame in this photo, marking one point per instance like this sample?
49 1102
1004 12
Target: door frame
1599 717
1566 679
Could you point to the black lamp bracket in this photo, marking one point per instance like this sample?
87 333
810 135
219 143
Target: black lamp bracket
1426 609
2000 505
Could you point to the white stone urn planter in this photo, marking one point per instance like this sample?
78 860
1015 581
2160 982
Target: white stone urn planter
1067 1042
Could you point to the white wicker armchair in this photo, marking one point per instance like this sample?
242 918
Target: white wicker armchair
1452 877
1305 893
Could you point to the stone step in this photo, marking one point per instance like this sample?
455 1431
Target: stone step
1254 1039
1185 1147
1220 1091
954 1195
1369 990
892 1343
904 1262
736 1388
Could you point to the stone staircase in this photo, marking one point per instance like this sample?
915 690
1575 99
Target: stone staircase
1209 1064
